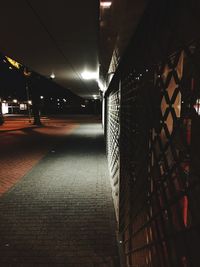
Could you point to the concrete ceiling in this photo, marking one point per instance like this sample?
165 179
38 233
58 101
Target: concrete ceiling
53 36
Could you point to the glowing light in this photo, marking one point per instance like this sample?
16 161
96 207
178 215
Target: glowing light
83 106
95 96
106 4
13 62
10 68
41 97
89 75
14 100
4 108
29 102
23 106
64 100
197 106
27 72
52 75
101 86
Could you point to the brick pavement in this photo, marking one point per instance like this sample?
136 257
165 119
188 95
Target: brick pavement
22 145
61 212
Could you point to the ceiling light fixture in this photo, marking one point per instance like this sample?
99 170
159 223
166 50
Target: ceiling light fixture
106 4
89 75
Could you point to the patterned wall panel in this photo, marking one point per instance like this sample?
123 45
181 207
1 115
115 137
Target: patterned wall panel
153 143
113 134
159 174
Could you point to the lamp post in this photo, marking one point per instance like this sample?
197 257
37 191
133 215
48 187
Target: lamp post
27 74
35 99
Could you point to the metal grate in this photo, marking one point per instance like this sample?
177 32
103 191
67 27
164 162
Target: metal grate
158 155
113 133
163 215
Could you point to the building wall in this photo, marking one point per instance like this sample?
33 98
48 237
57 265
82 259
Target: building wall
153 127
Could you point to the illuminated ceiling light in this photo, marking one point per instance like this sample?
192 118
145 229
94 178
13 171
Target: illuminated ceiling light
95 96
64 100
89 75
41 97
14 100
52 75
106 4
83 106
29 102
10 68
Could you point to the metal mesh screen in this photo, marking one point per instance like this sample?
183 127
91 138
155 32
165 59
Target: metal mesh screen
113 132
158 155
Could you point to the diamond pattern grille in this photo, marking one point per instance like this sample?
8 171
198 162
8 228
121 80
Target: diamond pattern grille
158 161
113 130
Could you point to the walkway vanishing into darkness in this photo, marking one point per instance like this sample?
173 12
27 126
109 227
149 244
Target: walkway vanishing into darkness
61 213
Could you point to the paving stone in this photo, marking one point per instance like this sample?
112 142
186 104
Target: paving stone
61 212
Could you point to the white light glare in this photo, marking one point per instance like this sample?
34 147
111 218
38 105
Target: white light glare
197 106
29 102
106 4
14 100
52 75
4 108
101 86
95 96
41 97
89 75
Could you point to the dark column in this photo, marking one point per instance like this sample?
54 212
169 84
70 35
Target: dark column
1 114
36 110
34 90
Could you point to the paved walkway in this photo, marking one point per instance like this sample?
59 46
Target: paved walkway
61 212
22 145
